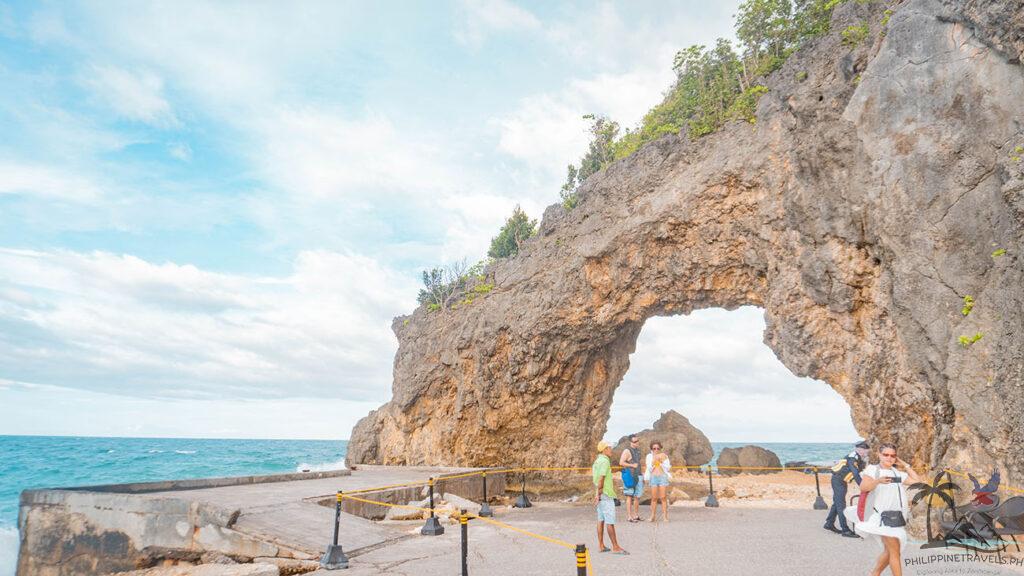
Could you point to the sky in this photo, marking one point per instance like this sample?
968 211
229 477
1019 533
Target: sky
210 212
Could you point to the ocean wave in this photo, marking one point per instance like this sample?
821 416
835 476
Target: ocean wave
325 467
8 550
184 451
154 451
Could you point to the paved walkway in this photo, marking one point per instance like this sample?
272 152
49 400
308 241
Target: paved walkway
698 540
287 513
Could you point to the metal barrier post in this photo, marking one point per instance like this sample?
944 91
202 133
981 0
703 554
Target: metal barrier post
819 502
485 508
334 558
464 522
433 525
522 501
581 560
711 502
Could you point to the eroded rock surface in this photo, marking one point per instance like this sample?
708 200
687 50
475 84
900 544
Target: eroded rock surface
682 441
758 460
858 211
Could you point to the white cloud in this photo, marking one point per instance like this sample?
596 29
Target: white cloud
713 367
365 181
104 322
29 408
136 96
46 182
625 68
181 151
321 153
480 18
235 57
547 131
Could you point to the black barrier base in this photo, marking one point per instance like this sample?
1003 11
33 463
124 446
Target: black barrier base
432 527
485 510
711 502
819 504
334 558
522 502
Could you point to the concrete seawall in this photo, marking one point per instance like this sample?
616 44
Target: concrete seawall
110 528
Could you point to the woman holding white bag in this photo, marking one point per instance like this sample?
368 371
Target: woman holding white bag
885 510
657 475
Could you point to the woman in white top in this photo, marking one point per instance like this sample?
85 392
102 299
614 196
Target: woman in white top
884 487
657 475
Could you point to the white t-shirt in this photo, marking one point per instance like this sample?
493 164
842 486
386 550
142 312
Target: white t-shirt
888 496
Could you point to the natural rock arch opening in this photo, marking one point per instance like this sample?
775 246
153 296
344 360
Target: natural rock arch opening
527 376
713 367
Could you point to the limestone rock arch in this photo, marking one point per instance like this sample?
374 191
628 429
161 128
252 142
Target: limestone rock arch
857 212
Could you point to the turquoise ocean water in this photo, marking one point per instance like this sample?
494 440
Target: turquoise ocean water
55 461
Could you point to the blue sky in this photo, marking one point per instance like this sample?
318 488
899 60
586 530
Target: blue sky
209 212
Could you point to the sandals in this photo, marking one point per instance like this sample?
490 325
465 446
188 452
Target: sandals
621 553
605 550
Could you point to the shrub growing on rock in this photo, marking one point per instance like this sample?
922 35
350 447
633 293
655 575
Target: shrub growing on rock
517 229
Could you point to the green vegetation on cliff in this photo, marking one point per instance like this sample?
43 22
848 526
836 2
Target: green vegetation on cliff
712 86
517 229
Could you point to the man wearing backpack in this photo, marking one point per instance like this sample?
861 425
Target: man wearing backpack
632 478
844 471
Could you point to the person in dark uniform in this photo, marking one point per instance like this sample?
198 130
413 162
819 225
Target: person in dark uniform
844 471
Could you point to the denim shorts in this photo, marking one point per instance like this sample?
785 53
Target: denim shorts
637 490
659 481
606 510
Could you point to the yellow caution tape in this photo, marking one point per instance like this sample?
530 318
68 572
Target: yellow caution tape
388 487
549 539
465 475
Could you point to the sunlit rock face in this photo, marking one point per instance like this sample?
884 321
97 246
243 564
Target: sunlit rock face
858 211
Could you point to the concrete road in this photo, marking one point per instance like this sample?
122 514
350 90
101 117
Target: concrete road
698 540
287 513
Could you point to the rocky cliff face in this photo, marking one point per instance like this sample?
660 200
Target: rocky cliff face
858 211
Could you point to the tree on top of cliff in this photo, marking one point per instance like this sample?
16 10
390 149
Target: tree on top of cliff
713 86
517 229
601 153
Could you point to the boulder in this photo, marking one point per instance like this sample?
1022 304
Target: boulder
747 456
684 443
457 503
408 514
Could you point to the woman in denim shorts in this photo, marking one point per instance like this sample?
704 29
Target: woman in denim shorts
658 475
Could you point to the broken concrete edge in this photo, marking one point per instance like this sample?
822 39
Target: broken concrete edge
200 483
123 531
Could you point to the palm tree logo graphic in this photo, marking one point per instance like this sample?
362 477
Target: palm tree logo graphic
971 530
